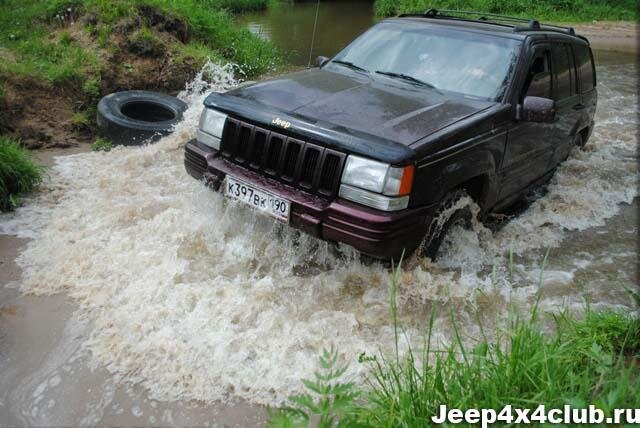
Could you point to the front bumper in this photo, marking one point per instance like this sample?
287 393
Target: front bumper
383 235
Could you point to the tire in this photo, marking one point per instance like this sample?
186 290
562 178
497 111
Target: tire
445 218
137 117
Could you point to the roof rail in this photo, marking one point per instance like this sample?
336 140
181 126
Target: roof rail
517 23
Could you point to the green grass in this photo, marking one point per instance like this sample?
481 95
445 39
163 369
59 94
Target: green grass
26 29
213 27
102 145
586 361
195 51
49 62
548 10
19 175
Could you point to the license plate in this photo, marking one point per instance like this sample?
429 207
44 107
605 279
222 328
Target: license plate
257 198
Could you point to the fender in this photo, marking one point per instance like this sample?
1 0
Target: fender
474 163
477 157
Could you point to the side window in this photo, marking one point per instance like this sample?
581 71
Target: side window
562 69
538 83
584 65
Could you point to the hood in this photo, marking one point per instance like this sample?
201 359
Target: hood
393 110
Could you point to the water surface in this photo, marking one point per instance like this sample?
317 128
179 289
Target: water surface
290 26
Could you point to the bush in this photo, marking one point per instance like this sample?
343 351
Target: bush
551 10
19 175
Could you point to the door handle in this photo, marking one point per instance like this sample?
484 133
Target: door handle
579 107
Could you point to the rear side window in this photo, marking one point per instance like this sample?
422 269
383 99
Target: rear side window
563 69
584 64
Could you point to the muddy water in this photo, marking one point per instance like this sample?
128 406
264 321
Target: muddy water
290 26
189 297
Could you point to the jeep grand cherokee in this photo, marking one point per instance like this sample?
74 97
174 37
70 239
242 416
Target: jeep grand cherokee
375 147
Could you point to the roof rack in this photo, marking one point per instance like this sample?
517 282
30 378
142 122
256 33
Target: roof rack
516 23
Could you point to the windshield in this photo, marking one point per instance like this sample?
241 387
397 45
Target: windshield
468 63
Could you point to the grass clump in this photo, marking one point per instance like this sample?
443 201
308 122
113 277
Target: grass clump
586 361
102 145
238 6
549 10
19 175
613 332
91 88
524 367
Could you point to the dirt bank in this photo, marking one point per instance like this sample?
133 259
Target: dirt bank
42 116
617 36
58 59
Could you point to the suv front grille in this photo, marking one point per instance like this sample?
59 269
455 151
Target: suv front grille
313 168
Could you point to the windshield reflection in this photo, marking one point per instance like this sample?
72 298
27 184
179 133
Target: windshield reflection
451 60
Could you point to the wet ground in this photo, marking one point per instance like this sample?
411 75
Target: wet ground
141 298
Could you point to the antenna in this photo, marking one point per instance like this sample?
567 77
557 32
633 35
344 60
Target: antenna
313 35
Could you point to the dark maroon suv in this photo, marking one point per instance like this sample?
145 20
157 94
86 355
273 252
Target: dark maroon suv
381 146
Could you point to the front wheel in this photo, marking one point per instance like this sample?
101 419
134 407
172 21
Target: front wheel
455 209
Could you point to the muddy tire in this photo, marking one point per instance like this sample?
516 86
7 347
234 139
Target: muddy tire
446 217
137 117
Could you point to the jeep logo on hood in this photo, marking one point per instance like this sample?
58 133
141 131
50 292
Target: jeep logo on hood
282 123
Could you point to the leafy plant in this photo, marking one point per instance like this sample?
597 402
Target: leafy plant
328 398
102 144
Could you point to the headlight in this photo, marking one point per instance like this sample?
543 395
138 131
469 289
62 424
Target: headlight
371 183
211 127
364 173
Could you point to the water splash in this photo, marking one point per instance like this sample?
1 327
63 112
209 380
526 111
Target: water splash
195 297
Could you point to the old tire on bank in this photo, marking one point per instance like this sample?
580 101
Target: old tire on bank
137 117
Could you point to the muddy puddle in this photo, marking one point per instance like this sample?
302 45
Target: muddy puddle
174 296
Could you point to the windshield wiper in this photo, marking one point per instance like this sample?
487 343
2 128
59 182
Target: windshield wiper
350 65
406 77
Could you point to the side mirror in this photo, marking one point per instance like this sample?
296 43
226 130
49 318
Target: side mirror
537 109
321 60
